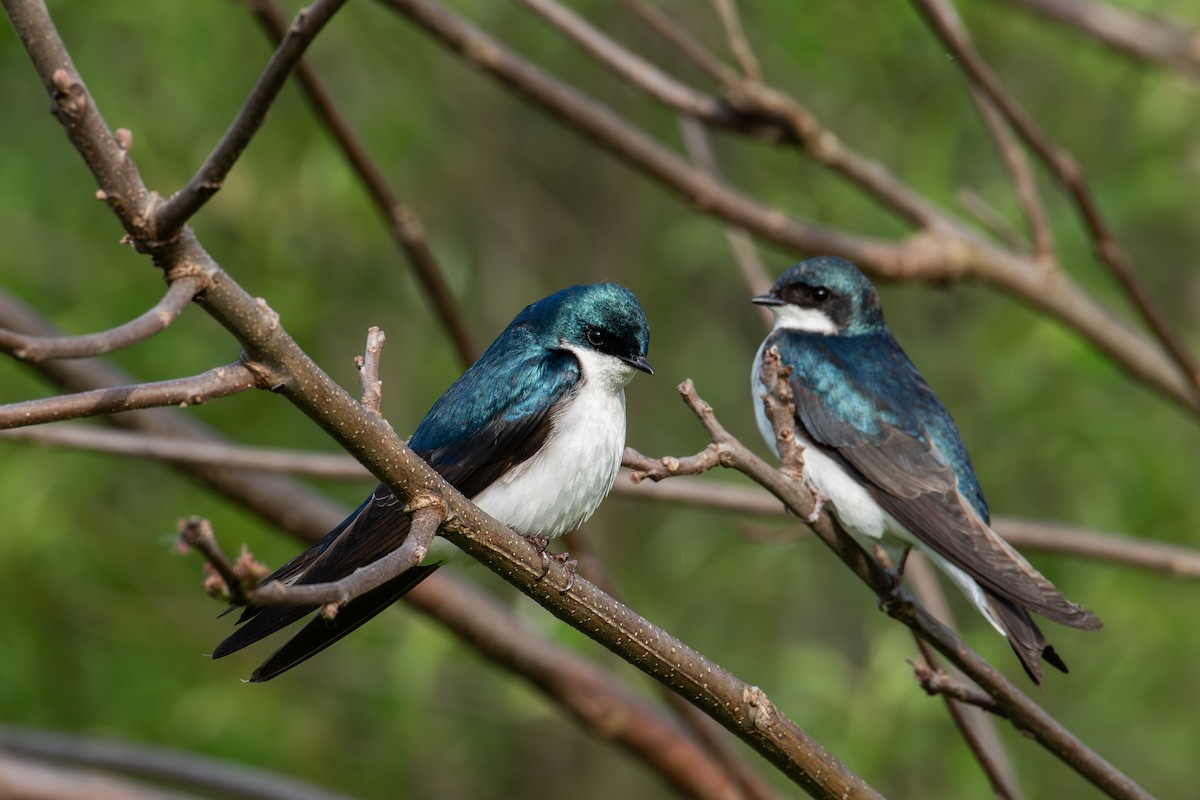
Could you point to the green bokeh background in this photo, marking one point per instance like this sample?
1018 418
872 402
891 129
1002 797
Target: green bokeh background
105 629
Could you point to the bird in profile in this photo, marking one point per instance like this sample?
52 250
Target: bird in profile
533 433
883 451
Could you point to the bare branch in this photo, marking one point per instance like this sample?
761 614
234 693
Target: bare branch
708 733
656 470
336 467
1125 30
159 763
699 150
680 39
739 45
978 730
368 370
1053 537
29 779
1029 199
173 213
34 348
935 681
648 77
403 223
211 385
1071 174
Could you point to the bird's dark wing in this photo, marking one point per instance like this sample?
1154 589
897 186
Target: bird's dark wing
474 434
886 428
484 426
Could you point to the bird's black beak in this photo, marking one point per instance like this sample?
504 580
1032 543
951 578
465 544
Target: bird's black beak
639 362
768 299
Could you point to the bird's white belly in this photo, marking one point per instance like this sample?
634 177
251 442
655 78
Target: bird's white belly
560 487
858 512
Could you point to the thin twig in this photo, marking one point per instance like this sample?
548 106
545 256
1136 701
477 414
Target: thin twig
403 223
739 45
1015 163
978 730
991 219
648 77
656 470
754 273
173 213
1174 560
329 466
368 370
196 532
35 348
1070 173
1029 199
935 681
1142 35
216 383
29 779
680 39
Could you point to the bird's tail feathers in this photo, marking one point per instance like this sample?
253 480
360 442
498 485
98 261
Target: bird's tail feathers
320 632
1011 576
1024 636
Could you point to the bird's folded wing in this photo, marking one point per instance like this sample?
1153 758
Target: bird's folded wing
911 479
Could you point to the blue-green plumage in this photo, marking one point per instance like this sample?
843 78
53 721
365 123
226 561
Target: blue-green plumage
867 382
886 454
532 432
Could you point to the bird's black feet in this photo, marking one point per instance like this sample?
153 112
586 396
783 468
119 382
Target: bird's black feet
571 565
896 574
541 543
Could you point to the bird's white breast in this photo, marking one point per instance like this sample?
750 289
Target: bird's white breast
855 508
560 487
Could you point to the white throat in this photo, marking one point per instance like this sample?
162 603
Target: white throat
809 320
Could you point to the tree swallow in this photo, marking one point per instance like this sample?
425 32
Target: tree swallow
533 433
883 450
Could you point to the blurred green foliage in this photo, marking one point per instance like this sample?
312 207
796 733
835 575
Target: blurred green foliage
106 629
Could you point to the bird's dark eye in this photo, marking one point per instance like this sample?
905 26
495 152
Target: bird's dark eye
819 294
598 339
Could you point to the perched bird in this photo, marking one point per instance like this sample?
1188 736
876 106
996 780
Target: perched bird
883 451
533 433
